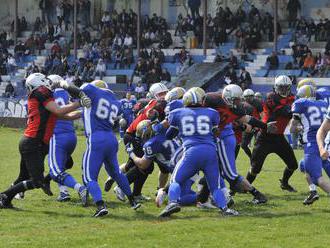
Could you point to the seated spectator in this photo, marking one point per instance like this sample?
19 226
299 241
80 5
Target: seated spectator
326 65
30 44
128 41
245 79
58 32
9 90
100 69
272 62
165 75
139 90
11 65
50 32
88 72
19 51
233 61
152 77
106 19
165 40
118 60
181 56
39 43
56 49
309 63
140 69
231 77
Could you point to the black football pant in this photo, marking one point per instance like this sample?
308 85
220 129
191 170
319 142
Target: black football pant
267 144
133 173
31 175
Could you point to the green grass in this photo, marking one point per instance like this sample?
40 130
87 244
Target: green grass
40 221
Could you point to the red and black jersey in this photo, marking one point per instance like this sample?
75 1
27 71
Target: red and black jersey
278 109
41 122
257 108
158 105
227 114
141 103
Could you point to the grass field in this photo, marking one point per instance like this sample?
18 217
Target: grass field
40 221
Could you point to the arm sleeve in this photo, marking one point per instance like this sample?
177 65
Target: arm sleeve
297 107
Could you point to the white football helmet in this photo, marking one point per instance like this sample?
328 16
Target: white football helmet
282 85
258 95
175 94
55 78
231 94
248 93
158 90
35 80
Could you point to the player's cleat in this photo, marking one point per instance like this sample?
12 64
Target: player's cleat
20 196
287 187
46 189
142 198
161 194
119 194
83 194
312 197
205 205
259 198
229 212
64 197
108 184
136 205
4 202
170 209
101 211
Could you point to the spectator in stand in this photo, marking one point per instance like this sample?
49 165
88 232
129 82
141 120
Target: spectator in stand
319 65
19 51
231 77
326 64
127 57
11 65
272 63
32 68
50 32
9 90
129 86
128 41
88 72
100 69
37 27
165 39
233 61
67 13
56 49
30 44
59 13
309 64
139 90
152 77
181 56
245 79
165 75
58 32
106 19
293 8
194 6
23 24
140 69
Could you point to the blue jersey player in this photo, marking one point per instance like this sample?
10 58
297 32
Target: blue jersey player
61 146
196 126
127 105
102 144
310 113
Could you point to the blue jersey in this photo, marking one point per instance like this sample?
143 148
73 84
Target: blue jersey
195 125
227 131
104 111
62 126
161 150
175 104
323 94
312 113
127 108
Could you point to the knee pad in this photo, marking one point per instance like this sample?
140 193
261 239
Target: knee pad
69 163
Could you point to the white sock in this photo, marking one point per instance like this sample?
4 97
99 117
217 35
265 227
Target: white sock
77 187
225 191
312 187
63 189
